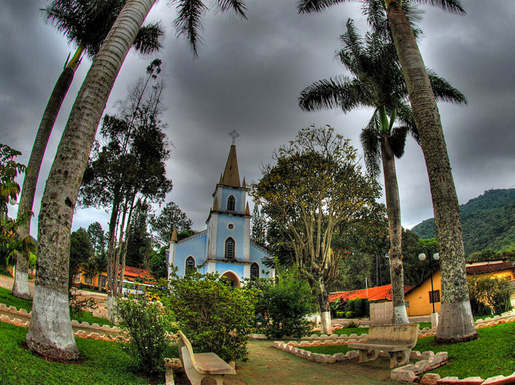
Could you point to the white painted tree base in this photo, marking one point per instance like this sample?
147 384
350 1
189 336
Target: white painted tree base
21 287
399 315
325 318
50 332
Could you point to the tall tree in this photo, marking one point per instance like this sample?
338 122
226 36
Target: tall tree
97 238
315 185
377 82
258 228
85 23
139 242
456 320
128 166
49 334
171 217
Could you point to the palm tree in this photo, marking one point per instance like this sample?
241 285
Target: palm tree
377 82
86 24
456 321
50 330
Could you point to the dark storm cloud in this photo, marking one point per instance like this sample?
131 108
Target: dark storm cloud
248 77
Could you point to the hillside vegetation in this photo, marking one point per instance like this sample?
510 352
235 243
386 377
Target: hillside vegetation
488 222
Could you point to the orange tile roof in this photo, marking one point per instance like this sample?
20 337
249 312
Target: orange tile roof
134 272
377 293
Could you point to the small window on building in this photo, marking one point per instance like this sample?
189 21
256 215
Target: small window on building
434 296
229 248
102 280
88 279
231 203
254 271
230 226
190 265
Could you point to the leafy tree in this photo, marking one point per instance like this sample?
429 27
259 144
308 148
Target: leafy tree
65 178
315 185
171 217
214 316
98 240
377 82
158 265
81 252
258 228
139 243
86 24
456 322
10 239
128 167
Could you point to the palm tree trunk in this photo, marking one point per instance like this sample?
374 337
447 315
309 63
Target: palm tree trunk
456 321
393 207
50 332
21 279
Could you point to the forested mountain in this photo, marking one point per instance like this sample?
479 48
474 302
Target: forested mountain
488 222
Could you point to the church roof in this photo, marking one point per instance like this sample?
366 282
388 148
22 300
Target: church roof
231 175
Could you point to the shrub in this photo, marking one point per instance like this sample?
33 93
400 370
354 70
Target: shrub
147 325
490 291
283 306
214 316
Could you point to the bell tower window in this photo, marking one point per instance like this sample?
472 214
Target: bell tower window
231 203
229 248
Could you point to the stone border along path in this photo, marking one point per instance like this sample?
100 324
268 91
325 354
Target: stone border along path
425 361
20 317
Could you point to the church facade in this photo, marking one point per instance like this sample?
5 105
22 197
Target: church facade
225 246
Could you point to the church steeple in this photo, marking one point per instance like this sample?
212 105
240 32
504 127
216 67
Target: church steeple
231 175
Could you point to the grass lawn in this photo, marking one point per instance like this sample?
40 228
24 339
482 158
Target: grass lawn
103 363
492 354
8 299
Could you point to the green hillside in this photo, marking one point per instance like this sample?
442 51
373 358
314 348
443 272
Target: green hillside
488 222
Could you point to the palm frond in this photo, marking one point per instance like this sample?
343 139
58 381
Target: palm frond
238 6
308 6
443 90
397 140
189 21
453 6
371 142
148 39
405 116
337 92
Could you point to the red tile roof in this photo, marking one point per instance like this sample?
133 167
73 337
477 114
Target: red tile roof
372 293
132 273
489 267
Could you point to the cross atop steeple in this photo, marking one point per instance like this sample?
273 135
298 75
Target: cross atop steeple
234 134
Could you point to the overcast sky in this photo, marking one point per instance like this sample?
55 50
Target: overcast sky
248 77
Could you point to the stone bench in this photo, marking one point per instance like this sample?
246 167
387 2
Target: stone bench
396 340
201 365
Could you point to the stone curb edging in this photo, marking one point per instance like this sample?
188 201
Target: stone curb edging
99 333
409 373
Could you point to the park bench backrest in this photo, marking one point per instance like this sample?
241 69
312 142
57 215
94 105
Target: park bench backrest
184 342
398 334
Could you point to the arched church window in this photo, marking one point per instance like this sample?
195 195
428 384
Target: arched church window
231 203
190 265
229 248
254 271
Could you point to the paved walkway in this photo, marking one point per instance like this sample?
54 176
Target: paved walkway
270 366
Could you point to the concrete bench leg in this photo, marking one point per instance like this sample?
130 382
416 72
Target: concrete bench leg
367 355
399 358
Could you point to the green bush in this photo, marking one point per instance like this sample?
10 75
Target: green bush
147 326
283 305
354 308
214 316
489 291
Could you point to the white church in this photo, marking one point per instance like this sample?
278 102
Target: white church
225 246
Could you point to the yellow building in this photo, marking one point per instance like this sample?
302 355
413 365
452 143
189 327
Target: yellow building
132 275
420 299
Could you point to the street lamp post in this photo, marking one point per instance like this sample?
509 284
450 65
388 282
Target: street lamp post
436 257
